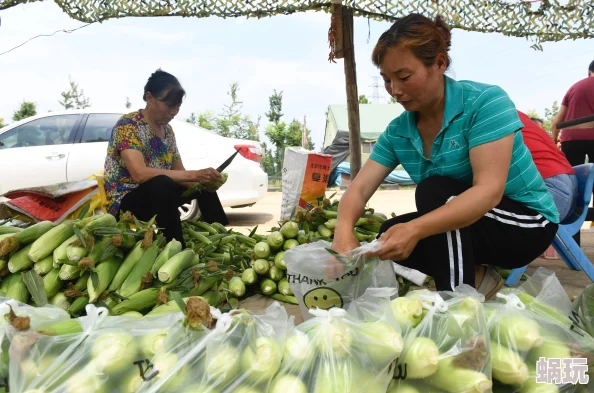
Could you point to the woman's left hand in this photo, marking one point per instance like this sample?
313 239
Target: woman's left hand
399 242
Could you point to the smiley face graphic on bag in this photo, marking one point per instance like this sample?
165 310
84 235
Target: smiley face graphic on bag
323 298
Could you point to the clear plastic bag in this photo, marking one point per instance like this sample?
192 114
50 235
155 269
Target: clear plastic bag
307 273
583 305
241 354
15 317
110 355
341 350
546 315
448 351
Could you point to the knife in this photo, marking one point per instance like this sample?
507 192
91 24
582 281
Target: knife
227 162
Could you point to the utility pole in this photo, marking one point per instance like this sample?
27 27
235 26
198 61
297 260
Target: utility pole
375 98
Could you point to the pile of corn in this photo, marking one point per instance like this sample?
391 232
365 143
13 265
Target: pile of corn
257 261
99 260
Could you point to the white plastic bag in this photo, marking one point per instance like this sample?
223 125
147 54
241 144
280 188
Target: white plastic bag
341 350
110 355
305 179
242 353
449 349
308 269
22 318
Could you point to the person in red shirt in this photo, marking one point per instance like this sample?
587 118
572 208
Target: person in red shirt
553 166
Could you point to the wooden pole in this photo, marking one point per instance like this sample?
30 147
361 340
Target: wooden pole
350 73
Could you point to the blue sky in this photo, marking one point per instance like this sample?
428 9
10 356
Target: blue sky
112 60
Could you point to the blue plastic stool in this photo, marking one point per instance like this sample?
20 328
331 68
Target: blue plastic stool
563 242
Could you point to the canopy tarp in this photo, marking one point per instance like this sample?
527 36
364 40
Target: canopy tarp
547 20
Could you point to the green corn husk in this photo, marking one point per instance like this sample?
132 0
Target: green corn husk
78 305
172 248
24 237
284 288
237 287
20 260
507 366
105 272
133 282
52 283
249 276
69 272
49 241
67 326
175 265
60 300
268 286
17 289
126 267
59 255
139 301
44 266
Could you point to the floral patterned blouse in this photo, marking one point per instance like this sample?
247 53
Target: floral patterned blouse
132 131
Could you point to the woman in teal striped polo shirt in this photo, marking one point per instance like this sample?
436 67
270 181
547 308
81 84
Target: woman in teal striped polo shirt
480 199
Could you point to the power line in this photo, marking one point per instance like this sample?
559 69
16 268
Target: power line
46 35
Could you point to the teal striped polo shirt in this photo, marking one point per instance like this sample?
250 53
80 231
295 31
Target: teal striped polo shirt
475 113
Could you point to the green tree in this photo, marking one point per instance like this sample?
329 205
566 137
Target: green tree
276 107
73 98
550 114
128 103
392 101
363 99
2 122
231 122
268 161
27 109
533 114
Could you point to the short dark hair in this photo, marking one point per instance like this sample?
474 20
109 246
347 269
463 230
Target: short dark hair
425 38
164 87
536 120
591 68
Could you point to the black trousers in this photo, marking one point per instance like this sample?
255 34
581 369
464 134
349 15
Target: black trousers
509 236
576 152
162 197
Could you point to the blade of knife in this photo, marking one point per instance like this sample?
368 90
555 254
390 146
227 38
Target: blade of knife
227 162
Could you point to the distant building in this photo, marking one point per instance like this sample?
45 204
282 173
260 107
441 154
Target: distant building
374 118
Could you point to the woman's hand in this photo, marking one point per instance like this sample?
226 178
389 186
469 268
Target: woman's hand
342 243
399 242
207 176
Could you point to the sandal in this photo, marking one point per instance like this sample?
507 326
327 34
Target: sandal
491 283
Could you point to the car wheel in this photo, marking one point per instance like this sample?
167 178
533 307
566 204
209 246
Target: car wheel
189 211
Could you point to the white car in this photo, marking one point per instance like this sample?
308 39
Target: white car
57 147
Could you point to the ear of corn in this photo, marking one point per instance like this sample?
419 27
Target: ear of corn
99 249
132 283
49 241
105 273
75 253
59 254
60 300
20 260
8 229
34 232
175 265
67 326
126 266
52 282
44 266
69 272
17 289
139 301
104 220
172 248
78 305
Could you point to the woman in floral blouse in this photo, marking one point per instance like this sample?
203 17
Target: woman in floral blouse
144 173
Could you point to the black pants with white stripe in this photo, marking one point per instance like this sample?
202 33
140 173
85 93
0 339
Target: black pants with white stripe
509 236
